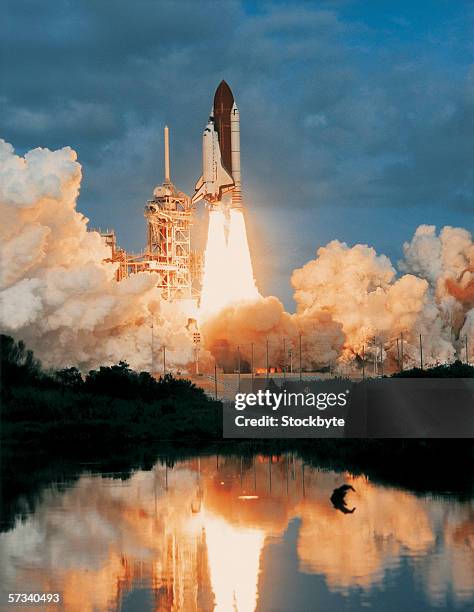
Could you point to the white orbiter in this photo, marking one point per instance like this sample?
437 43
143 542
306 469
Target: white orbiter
221 152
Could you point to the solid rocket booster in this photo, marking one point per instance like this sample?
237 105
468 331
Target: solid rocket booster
235 156
221 152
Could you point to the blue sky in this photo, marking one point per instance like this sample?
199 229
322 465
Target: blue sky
357 117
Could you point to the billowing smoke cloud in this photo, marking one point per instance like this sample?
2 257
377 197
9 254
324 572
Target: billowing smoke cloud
265 320
447 263
239 324
351 301
57 293
60 296
360 289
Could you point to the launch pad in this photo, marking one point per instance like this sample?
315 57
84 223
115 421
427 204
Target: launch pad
168 254
169 217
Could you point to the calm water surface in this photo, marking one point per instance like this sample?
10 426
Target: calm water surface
230 533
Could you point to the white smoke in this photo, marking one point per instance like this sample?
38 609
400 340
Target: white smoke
61 297
446 261
360 289
57 293
265 320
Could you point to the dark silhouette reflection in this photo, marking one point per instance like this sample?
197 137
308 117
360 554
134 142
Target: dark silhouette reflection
338 498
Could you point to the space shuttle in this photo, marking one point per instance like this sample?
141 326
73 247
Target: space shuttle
221 152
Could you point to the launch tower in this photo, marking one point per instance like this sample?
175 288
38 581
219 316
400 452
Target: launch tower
169 218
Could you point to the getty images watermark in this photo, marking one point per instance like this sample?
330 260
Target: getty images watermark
385 408
269 400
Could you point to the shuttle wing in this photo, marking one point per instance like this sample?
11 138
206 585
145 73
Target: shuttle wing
199 183
200 191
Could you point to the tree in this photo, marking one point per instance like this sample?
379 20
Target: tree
18 364
69 377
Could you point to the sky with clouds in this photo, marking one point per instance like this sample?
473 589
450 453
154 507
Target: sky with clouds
357 117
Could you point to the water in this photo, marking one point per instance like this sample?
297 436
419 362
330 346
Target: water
232 533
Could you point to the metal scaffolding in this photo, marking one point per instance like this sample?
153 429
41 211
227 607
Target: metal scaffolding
169 218
168 252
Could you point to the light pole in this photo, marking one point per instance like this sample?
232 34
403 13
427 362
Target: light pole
251 362
152 346
375 356
401 351
196 340
301 362
238 366
215 381
363 362
267 362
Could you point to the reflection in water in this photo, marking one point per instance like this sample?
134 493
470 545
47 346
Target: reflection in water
205 536
234 555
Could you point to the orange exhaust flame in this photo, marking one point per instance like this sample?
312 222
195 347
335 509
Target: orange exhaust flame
228 273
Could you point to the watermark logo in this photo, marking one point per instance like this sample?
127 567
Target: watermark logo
285 399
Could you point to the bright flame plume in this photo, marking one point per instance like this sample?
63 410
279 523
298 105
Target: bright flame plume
228 274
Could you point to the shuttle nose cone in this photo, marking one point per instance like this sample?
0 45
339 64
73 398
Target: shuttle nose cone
223 98
223 103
